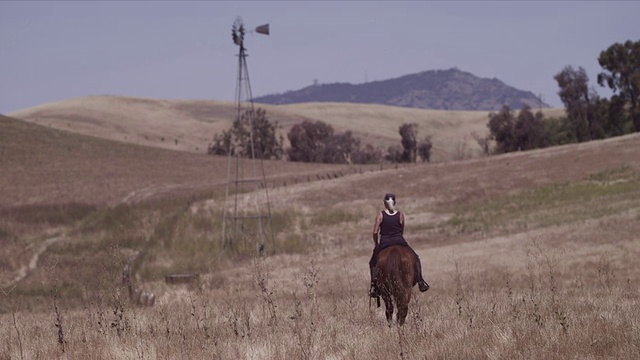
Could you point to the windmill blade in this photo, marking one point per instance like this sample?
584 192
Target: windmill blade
237 31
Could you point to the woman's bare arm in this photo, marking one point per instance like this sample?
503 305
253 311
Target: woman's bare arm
376 228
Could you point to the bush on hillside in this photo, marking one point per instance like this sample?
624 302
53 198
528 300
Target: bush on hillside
524 132
251 128
316 142
409 136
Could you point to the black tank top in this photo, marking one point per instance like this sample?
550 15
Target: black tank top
391 225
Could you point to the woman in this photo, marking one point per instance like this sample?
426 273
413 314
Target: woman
389 228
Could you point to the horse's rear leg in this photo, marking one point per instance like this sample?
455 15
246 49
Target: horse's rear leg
388 305
402 314
403 307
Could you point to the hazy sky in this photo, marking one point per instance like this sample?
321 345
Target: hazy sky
51 51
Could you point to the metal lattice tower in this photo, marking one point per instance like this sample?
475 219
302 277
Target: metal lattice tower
247 209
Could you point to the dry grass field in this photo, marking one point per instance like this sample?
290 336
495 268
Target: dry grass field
530 255
189 125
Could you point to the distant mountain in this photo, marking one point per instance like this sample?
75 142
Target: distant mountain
451 89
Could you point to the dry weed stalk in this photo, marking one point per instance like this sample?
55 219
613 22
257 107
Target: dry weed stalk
303 332
541 261
6 293
305 323
261 279
238 315
15 326
119 322
311 280
100 313
462 294
606 276
136 295
58 324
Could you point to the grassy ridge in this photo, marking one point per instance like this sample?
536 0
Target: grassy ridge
189 125
606 193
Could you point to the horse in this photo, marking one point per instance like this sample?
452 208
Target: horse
395 278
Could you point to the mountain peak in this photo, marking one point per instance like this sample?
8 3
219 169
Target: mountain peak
450 89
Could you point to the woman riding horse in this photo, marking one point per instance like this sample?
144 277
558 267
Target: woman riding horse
389 229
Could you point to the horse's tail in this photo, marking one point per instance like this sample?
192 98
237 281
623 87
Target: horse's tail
399 263
394 267
396 273
406 272
409 268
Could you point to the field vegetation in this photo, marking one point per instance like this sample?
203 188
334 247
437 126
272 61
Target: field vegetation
529 254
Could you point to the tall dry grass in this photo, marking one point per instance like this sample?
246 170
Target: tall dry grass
551 290
540 309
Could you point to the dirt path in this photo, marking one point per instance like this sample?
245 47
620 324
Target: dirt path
146 192
33 263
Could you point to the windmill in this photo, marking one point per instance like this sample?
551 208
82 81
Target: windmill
247 210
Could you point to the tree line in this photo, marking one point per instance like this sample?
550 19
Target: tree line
312 141
587 117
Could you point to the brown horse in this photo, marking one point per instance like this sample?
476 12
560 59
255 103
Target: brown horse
395 278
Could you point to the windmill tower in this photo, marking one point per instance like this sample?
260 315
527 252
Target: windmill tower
247 210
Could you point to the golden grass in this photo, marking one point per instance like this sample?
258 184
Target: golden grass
45 165
514 286
189 125
531 298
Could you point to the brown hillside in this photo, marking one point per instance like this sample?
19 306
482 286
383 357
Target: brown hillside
189 125
39 164
425 187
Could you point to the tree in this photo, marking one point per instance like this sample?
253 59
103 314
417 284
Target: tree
483 142
316 142
308 141
579 102
616 120
339 148
621 63
529 130
560 131
501 126
409 133
266 144
424 149
394 154
221 144
367 155
252 126
524 132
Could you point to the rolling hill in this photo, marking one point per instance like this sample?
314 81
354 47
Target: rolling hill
189 125
44 165
450 89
